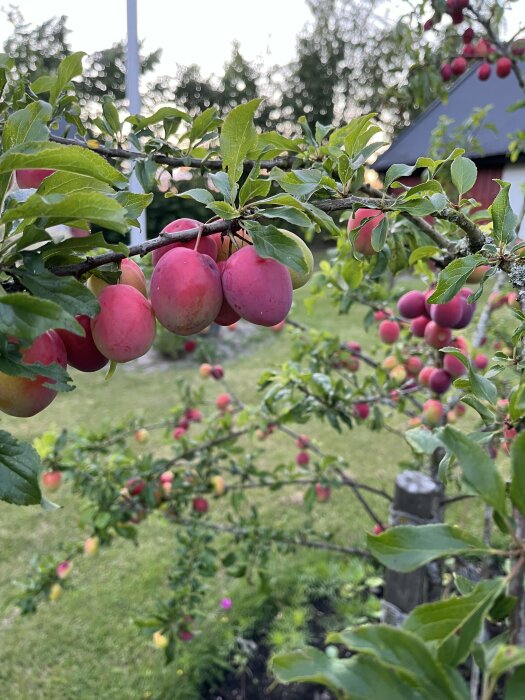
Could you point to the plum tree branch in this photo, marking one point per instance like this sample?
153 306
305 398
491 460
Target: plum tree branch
285 162
275 537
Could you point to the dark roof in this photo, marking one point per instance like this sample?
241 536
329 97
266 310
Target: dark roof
465 95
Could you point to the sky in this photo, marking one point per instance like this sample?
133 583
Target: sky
199 32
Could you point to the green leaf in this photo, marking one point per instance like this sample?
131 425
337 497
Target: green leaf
56 156
379 235
222 183
28 124
74 246
198 195
238 137
464 173
269 242
406 547
224 210
514 685
160 115
403 651
360 677
290 214
19 469
479 470
396 171
69 68
203 124
517 485
507 657
503 218
67 292
453 277
423 441
299 183
26 317
279 142
67 183
69 208
426 251
252 189
111 114
441 620
134 203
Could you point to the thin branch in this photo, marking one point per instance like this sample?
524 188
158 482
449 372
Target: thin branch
244 532
285 163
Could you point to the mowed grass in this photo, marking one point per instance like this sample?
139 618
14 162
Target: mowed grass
85 645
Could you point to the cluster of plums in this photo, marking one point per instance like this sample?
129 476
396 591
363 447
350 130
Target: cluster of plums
480 50
219 282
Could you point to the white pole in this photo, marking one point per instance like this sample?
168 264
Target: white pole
137 235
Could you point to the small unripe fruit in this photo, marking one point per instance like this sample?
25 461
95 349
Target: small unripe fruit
190 346
166 477
424 376
433 412
160 640
141 435
398 374
390 362
468 51
205 370
389 332
91 545
477 274
223 401
55 592
323 493
200 505
51 480
302 459
414 422
378 529
380 315
63 569
460 409
503 67
451 417
218 485
194 415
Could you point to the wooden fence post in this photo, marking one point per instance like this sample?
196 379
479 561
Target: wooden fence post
417 501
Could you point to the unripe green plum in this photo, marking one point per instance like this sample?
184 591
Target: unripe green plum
124 329
299 279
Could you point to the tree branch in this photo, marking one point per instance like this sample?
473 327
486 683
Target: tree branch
176 162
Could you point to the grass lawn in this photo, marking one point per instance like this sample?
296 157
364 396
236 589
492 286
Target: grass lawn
85 645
